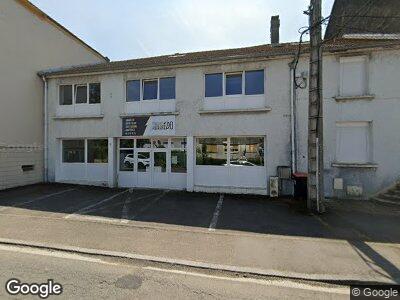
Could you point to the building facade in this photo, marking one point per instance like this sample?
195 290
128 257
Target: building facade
30 41
221 121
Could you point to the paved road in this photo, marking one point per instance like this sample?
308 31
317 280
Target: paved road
86 277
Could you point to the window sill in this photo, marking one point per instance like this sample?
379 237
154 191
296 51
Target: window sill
233 111
161 113
71 117
355 165
354 98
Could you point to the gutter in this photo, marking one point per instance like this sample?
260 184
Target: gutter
293 118
45 130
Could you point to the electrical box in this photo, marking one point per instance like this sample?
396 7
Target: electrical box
274 186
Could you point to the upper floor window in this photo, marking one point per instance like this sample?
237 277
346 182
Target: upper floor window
353 76
79 93
150 89
237 83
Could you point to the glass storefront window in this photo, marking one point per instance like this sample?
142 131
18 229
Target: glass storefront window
178 143
143 161
247 151
125 143
178 161
160 162
126 160
97 151
211 151
160 143
73 151
143 143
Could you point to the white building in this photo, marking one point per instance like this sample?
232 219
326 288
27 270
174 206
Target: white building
220 121
30 41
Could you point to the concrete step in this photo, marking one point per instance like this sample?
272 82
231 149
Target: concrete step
386 201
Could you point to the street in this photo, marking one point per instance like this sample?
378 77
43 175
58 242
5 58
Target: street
86 277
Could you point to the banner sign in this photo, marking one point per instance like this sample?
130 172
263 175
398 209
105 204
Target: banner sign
148 126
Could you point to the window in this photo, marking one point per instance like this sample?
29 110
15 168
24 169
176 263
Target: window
73 151
233 84
353 142
126 143
143 143
80 94
247 151
213 84
65 95
167 88
132 90
178 155
160 162
254 82
353 76
126 155
150 89
160 143
94 93
211 151
97 151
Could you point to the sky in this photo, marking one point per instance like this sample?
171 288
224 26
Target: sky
127 29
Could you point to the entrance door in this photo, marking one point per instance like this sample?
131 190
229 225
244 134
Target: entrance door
159 168
143 167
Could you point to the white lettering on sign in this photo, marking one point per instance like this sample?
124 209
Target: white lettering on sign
160 125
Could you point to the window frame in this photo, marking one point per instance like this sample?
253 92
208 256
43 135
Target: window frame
74 86
87 149
141 87
59 94
224 74
351 59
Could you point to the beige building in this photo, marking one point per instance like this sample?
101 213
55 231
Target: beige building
30 41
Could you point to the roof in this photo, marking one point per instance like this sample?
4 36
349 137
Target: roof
42 15
363 17
208 57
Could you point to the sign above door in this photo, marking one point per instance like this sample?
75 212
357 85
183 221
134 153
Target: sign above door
148 126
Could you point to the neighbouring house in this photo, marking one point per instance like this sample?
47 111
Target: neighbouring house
30 41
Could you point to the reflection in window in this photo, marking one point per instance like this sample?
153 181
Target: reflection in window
81 93
160 143
160 162
254 82
167 88
132 90
213 84
73 151
150 88
126 143
143 143
143 161
94 93
247 151
233 84
178 143
97 151
211 151
65 94
178 161
126 160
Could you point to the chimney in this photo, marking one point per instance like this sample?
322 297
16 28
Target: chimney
275 30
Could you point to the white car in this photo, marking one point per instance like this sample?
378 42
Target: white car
129 160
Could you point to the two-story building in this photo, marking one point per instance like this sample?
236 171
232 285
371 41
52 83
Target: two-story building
221 121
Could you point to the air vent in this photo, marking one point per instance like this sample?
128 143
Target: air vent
26 168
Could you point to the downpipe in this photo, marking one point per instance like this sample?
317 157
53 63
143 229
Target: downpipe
45 131
293 119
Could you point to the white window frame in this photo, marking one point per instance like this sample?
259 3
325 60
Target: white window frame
349 59
74 86
72 94
141 83
86 150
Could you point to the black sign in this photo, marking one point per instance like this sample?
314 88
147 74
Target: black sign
134 126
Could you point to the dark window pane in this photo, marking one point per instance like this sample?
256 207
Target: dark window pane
167 88
94 93
233 84
178 161
73 151
97 151
254 81
213 85
247 151
128 143
150 89
132 90
80 93
143 143
160 162
211 151
65 94
143 162
126 160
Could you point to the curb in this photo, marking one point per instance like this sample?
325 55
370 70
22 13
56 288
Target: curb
337 279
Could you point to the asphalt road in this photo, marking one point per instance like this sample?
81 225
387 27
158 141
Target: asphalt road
86 277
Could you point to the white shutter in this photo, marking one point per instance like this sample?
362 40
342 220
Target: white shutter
352 142
353 76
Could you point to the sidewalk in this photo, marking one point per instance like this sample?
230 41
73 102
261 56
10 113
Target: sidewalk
296 257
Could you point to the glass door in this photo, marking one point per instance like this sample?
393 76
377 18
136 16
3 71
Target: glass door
160 163
143 162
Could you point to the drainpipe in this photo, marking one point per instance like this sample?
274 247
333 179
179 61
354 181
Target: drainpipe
293 118
45 130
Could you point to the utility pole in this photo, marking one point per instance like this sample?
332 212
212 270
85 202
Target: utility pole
315 180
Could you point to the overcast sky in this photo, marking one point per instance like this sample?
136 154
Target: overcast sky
125 29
